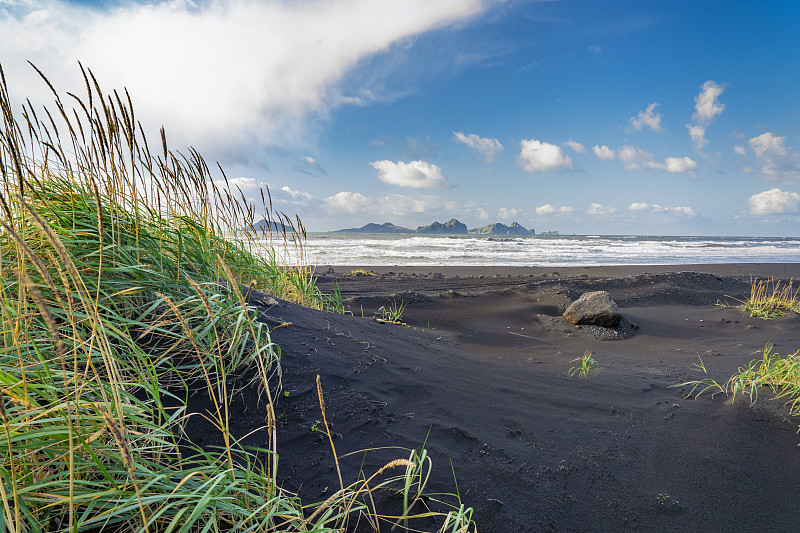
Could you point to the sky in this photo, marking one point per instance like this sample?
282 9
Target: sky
656 117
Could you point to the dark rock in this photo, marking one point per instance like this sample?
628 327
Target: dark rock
501 229
594 309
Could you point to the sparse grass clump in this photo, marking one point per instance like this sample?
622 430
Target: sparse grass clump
123 291
393 313
780 374
769 299
588 365
360 272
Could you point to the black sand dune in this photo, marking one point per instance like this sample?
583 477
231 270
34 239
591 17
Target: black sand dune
480 377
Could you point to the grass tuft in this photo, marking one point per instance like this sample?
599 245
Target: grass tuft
360 272
779 374
392 314
588 365
769 299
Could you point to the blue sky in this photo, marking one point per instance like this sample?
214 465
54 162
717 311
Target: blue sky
617 117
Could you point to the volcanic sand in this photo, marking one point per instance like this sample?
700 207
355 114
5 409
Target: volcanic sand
479 376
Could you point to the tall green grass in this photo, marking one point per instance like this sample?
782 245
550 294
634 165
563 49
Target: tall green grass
123 280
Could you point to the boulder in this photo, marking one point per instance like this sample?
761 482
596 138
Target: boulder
593 309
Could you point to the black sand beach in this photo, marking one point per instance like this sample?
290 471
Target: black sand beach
479 376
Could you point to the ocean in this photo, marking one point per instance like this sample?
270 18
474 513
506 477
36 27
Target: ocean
573 250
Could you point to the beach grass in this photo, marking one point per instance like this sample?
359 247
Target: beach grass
361 272
393 313
588 366
774 372
770 299
125 273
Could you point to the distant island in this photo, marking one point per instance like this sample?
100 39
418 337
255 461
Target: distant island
451 227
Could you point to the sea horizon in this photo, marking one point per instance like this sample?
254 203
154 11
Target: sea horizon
543 250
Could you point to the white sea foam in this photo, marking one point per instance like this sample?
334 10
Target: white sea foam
416 250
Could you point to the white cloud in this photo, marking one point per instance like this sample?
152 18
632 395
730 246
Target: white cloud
706 108
217 73
647 118
697 133
774 201
416 174
536 155
741 150
488 147
578 147
506 213
768 144
680 210
634 158
349 202
548 209
298 197
604 152
683 210
656 208
600 210
679 164
778 161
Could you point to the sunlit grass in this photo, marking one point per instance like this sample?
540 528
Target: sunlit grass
588 366
360 272
769 299
778 374
124 278
393 313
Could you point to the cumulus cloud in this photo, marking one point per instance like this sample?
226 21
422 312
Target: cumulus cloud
741 150
537 155
600 210
634 158
774 201
767 144
778 161
656 208
217 72
298 197
506 213
578 147
489 148
548 209
415 174
604 152
706 109
679 164
683 210
647 118
348 202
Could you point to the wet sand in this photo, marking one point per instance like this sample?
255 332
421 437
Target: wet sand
479 376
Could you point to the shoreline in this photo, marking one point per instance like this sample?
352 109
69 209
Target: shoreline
761 270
